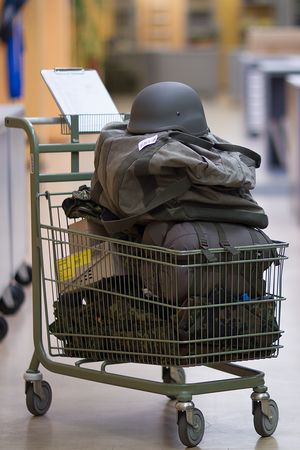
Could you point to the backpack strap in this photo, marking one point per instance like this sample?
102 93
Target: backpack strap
243 150
174 190
186 138
203 242
253 233
224 243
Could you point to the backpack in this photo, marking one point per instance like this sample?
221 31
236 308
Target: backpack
233 273
173 176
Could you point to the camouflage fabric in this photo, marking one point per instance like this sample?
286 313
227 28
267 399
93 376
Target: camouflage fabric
156 177
226 328
104 324
95 325
81 205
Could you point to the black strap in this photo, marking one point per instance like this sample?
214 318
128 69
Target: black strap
174 190
223 240
186 138
203 242
253 235
255 240
243 150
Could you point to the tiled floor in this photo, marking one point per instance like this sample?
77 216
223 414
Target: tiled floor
86 415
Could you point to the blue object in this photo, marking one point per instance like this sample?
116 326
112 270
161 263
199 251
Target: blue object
15 59
244 297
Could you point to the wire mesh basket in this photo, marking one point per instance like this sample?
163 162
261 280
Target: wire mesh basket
89 123
118 301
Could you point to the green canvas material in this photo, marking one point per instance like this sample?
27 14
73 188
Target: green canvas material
171 180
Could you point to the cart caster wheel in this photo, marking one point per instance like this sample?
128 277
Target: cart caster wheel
24 275
35 404
265 426
12 299
174 375
191 435
3 328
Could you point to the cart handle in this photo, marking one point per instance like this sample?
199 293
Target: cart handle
26 123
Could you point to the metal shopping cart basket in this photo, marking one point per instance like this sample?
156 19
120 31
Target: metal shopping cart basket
92 302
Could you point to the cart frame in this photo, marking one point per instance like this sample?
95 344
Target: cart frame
38 392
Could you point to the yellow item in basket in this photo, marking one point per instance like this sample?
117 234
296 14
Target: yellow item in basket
67 266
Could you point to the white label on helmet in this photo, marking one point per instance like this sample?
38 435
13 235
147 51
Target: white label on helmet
148 141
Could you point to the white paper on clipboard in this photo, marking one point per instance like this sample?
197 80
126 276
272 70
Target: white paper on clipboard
81 92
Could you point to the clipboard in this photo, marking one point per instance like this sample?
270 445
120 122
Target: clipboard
81 92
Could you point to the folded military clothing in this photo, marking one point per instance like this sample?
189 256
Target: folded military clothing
116 321
81 205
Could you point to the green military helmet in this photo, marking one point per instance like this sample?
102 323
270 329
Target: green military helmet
168 105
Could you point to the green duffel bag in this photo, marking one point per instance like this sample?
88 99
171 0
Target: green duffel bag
173 180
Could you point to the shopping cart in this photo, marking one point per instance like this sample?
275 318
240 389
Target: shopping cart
96 298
